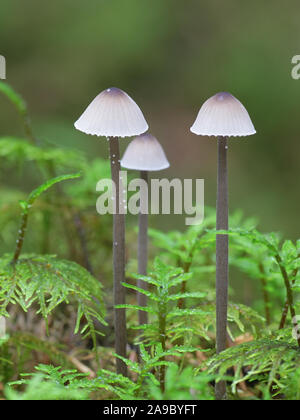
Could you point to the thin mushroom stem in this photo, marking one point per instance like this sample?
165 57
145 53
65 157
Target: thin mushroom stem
118 257
221 258
143 250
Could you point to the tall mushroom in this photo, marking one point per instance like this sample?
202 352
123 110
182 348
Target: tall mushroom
144 154
114 114
222 116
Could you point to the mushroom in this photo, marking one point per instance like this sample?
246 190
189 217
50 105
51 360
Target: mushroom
144 154
114 114
222 116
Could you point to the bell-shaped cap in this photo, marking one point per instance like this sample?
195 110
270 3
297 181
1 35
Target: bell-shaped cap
112 114
223 115
144 153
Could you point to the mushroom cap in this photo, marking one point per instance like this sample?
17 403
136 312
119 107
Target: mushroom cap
223 115
112 113
144 153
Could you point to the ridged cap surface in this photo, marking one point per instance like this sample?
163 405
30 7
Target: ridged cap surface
144 153
223 115
112 113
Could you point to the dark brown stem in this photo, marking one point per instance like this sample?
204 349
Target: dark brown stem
284 314
221 258
289 293
143 252
286 305
265 294
118 257
20 240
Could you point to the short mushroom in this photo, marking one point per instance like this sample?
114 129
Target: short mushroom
222 116
114 114
144 154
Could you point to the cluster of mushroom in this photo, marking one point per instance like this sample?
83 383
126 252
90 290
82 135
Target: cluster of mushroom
114 114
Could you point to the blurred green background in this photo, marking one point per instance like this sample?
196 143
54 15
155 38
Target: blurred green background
169 56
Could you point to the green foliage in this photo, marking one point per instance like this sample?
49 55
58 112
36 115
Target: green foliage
6 363
241 319
84 193
16 151
13 97
42 188
145 381
193 322
54 383
269 360
182 247
289 385
263 256
197 242
67 235
51 383
184 385
46 281
17 349
163 302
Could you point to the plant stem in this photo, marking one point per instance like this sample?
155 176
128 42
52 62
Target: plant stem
162 339
186 267
143 253
265 294
289 292
221 258
286 305
20 240
118 257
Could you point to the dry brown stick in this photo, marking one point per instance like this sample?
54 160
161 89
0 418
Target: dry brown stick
80 366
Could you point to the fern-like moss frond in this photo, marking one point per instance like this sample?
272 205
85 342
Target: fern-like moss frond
270 360
48 281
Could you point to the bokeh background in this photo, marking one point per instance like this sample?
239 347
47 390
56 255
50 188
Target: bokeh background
169 56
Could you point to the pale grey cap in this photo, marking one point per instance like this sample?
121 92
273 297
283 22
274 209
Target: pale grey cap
144 153
112 113
223 115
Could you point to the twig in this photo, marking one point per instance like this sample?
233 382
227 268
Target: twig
81 367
